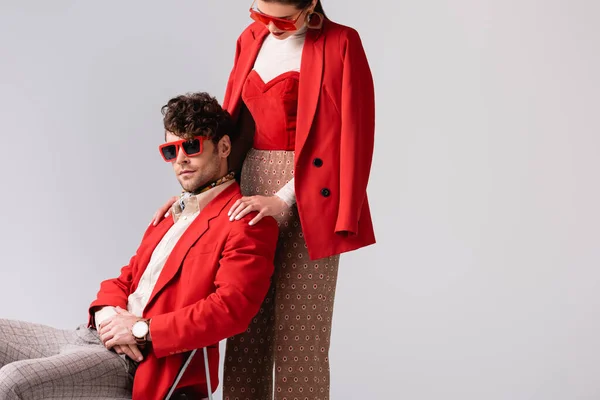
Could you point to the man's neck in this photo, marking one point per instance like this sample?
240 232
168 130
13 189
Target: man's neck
197 202
219 181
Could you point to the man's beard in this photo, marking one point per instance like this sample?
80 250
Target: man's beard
196 184
206 176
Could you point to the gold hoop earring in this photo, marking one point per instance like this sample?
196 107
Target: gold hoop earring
314 20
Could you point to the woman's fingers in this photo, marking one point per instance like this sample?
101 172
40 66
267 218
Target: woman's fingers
242 206
234 206
258 217
163 211
244 212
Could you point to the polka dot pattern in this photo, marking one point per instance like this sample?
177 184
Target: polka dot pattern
290 334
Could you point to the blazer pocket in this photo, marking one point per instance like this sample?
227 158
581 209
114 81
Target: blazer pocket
331 99
201 249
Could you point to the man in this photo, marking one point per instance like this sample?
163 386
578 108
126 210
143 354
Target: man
196 279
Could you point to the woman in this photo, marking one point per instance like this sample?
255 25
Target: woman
301 84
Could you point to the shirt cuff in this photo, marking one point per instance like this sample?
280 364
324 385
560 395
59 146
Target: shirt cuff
288 193
103 314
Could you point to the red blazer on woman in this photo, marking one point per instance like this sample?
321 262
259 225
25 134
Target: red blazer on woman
210 288
334 134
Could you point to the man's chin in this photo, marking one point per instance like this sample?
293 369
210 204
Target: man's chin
187 186
190 187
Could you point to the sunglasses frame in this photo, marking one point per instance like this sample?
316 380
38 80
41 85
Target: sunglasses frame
179 146
287 25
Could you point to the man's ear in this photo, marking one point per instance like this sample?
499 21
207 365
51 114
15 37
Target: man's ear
224 146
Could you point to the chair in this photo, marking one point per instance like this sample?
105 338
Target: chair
182 371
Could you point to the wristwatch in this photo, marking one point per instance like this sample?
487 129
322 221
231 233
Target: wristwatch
140 331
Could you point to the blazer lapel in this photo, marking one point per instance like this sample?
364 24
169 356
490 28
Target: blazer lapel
245 64
311 76
192 234
149 243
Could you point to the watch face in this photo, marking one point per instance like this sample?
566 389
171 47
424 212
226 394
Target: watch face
140 329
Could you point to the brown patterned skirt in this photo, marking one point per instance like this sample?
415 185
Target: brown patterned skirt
288 340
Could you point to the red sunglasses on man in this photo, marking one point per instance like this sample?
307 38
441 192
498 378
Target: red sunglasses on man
170 150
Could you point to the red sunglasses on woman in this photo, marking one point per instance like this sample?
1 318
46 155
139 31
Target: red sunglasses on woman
280 23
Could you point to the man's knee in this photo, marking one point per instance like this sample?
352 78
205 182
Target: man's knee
13 381
5 351
9 353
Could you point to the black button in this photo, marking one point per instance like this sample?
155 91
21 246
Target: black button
325 192
317 162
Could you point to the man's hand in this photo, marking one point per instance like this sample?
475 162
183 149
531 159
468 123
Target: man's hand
130 350
116 330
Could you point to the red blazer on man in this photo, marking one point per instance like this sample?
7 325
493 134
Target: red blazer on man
334 134
210 288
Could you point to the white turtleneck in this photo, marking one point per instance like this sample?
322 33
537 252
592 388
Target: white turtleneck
276 57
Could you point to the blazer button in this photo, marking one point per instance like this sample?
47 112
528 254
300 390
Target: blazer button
325 192
317 162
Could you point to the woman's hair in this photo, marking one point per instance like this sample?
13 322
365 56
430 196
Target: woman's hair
300 4
196 114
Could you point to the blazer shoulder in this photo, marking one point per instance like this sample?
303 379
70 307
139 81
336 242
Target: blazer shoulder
250 32
339 30
339 37
266 226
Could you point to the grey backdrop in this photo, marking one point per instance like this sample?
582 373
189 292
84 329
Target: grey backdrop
485 281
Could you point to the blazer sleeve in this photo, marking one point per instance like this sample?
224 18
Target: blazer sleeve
115 292
242 281
358 131
230 81
242 135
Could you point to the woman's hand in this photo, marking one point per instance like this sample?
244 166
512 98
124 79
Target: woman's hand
267 206
164 211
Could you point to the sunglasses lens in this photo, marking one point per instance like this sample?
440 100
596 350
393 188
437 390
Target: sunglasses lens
169 152
258 17
284 25
191 147
281 24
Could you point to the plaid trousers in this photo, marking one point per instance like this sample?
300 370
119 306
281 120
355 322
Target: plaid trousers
41 362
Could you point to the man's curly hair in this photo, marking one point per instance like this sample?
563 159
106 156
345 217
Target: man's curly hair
196 114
